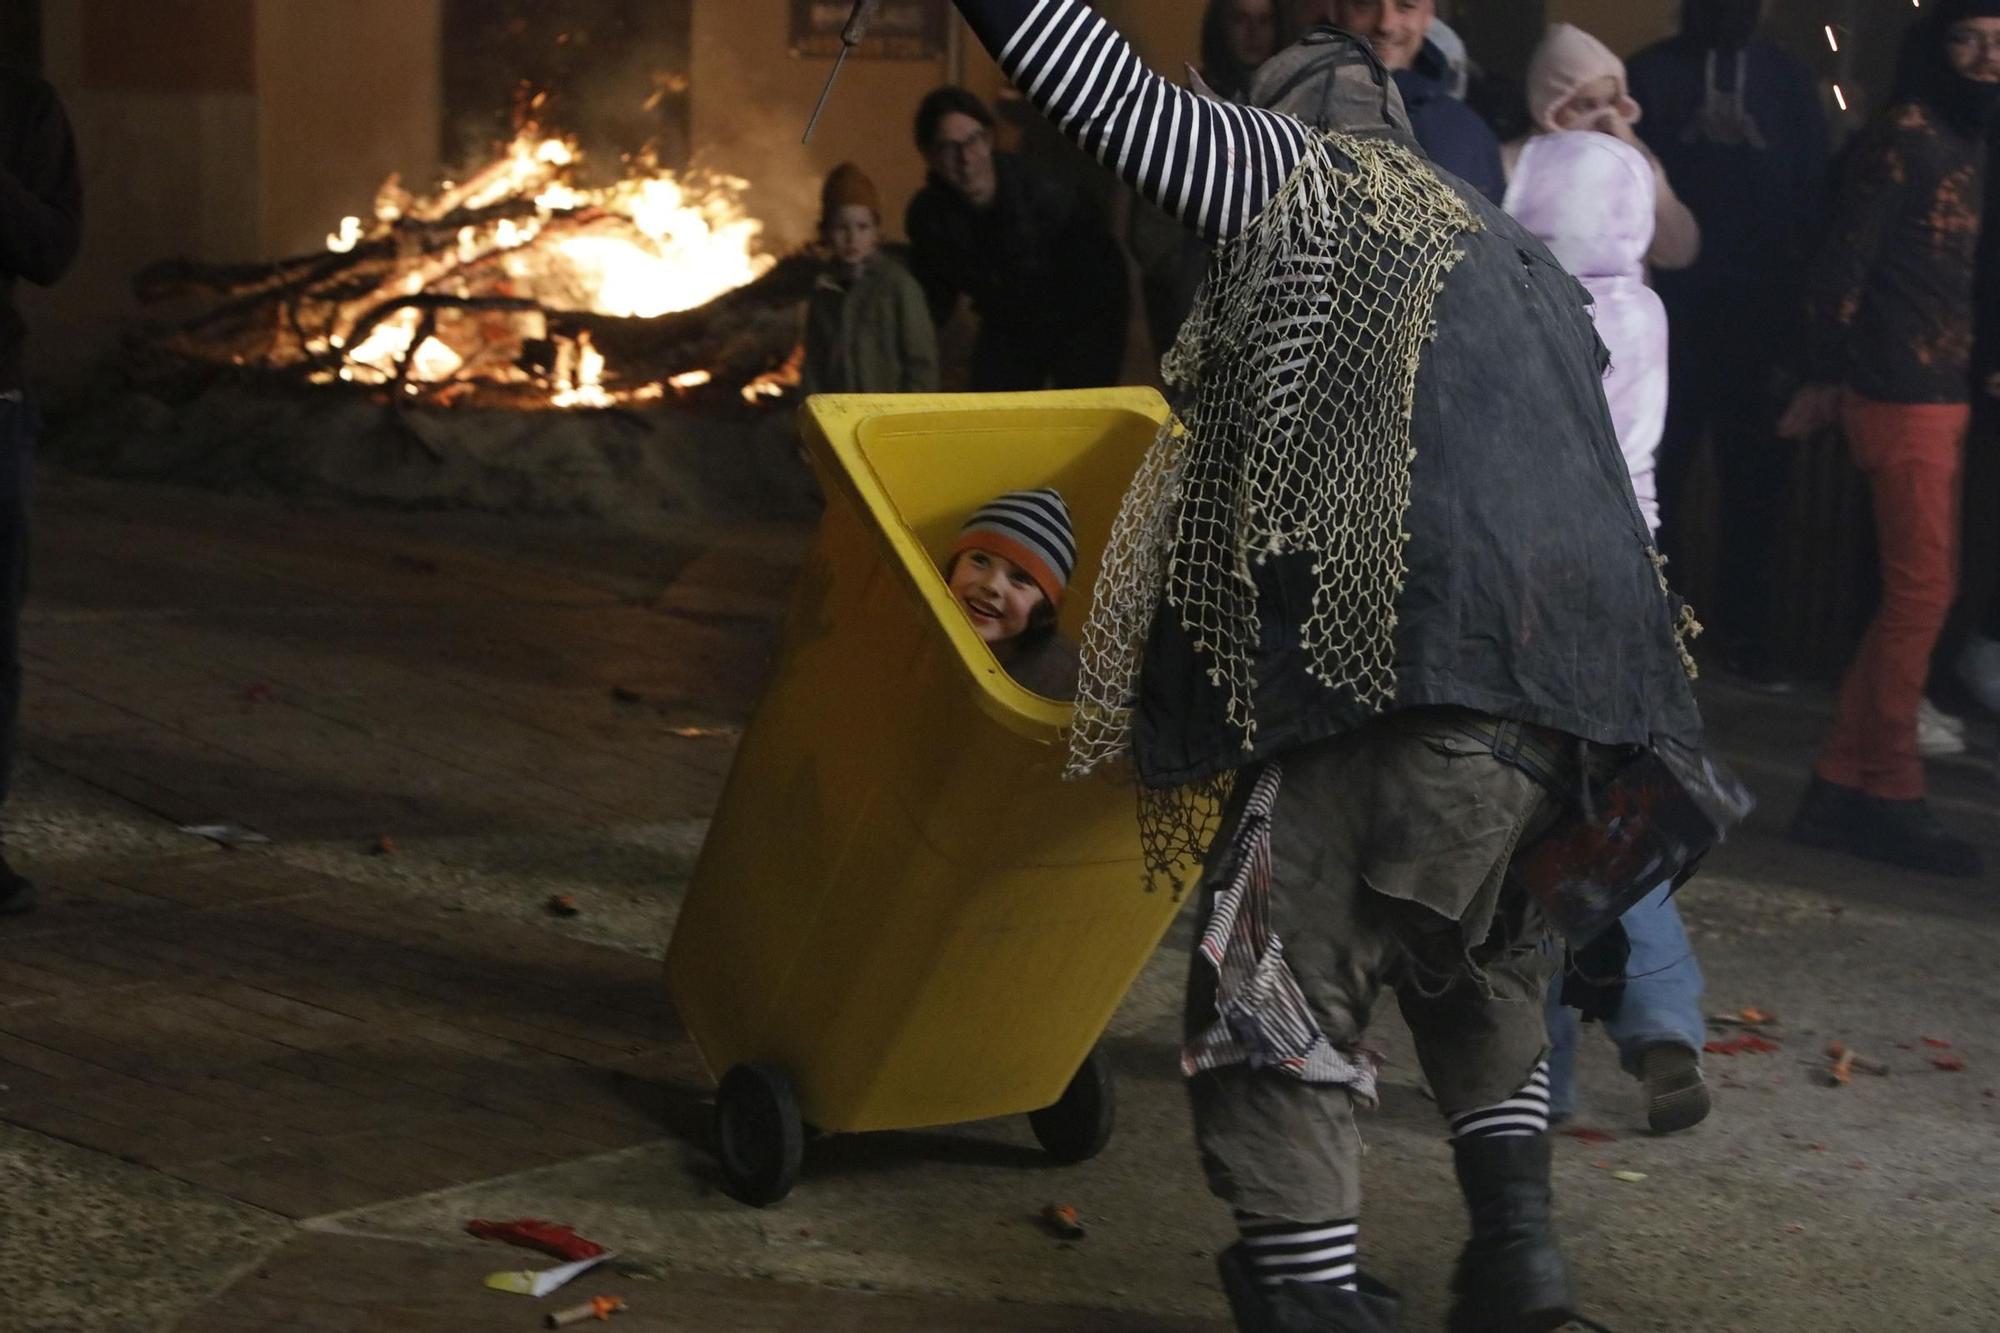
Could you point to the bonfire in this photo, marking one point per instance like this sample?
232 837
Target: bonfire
513 287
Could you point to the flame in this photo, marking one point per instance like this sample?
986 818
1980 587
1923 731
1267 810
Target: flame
773 384
580 376
649 245
377 358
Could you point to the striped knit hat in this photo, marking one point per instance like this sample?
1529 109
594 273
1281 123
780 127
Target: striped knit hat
1032 529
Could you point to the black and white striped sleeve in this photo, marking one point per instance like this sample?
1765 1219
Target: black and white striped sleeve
1213 165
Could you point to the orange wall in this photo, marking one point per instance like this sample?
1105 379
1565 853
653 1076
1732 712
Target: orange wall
166 170
188 47
1622 25
751 99
225 130
347 93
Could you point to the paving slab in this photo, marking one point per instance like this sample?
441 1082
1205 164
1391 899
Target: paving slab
311 1286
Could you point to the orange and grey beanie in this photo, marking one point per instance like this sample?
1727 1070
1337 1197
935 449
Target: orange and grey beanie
1032 529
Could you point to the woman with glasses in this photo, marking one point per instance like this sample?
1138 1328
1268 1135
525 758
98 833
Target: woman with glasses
1033 254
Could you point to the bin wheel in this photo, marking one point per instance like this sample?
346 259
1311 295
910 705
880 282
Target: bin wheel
1078 1126
758 1133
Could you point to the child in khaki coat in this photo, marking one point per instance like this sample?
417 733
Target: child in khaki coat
868 329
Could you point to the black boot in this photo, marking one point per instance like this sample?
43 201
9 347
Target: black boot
17 892
1511 1277
1303 1307
1908 834
1827 814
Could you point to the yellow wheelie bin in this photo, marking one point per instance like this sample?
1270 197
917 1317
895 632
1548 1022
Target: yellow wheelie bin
902 916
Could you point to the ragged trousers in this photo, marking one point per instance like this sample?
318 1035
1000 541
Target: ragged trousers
1389 850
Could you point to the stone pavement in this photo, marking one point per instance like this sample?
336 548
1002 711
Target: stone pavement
264 1088
258 1030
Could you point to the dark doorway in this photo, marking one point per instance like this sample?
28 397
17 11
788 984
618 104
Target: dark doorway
614 73
21 34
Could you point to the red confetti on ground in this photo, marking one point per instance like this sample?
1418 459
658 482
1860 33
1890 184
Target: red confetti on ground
1585 1134
1601 1166
258 694
1817 1147
534 1234
1063 1220
1749 1043
1937 1043
1951 1064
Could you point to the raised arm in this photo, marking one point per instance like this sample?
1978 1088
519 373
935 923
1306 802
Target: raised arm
1211 165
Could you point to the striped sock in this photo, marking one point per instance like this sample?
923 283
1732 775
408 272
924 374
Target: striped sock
1300 1251
1525 1113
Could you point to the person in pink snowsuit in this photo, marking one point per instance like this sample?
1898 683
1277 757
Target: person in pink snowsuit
1590 198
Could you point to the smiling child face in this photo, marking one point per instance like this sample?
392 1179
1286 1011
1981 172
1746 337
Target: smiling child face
996 594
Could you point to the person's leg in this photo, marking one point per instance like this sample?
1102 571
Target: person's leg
1564 1027
1283 1152
1659 1028
1911 455
1663 982
1482 1043
16 472
1914 473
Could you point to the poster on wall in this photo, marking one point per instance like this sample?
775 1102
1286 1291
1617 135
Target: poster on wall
902 30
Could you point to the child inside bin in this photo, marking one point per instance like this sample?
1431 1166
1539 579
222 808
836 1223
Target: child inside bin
1008 571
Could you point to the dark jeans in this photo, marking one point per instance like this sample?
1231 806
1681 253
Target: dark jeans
18 423
1721 387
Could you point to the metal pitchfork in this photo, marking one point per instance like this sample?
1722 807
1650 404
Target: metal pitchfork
850 37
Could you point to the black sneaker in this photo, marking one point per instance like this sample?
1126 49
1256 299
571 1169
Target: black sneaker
1908 834
1676 1094
1828 814
17 892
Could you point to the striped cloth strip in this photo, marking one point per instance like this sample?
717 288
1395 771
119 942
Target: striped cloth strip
1262 1017
1212 165
1300 1251
1525 1113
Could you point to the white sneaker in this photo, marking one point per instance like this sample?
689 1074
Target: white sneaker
1979 668
1939 734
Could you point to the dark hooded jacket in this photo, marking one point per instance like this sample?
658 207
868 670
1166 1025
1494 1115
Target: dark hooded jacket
1045 277
1531 591
1452 134
1760 199
1890 308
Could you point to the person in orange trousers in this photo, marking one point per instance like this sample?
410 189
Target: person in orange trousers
1890 318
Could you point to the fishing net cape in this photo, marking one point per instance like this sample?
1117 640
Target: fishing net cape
1296 375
